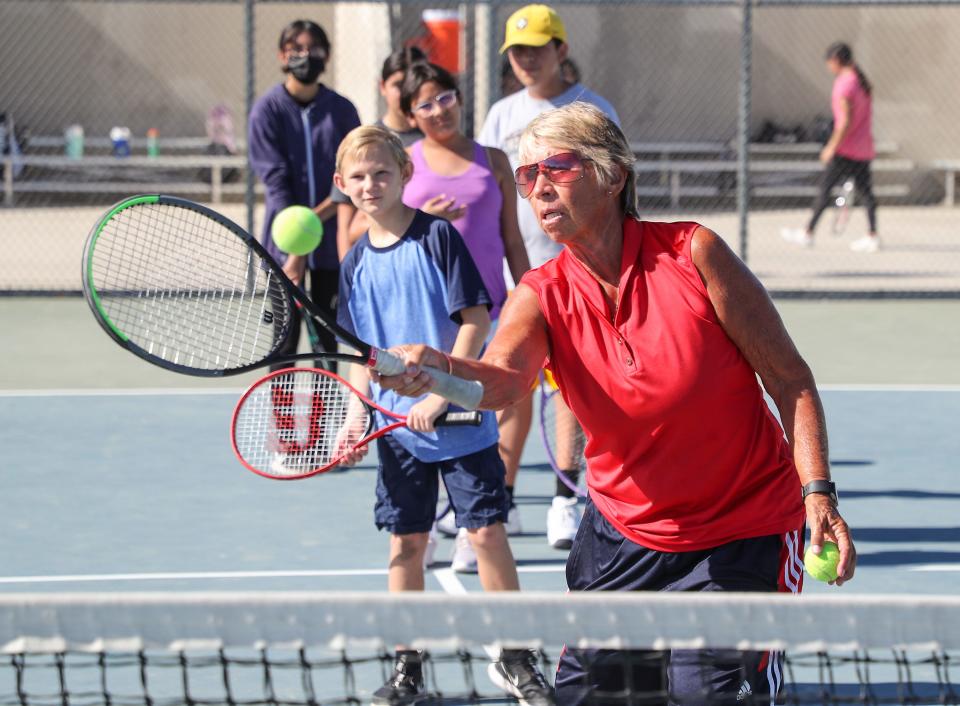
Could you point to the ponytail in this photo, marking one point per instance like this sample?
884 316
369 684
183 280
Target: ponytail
864 81
844 55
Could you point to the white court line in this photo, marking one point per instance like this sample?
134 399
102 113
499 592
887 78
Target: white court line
125 392
935 567
174 391
171 576
442 575
449 582
888 388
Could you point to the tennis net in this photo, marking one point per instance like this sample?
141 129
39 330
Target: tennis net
162 649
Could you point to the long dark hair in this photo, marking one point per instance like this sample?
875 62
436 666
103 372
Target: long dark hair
400 60
844 56
419 73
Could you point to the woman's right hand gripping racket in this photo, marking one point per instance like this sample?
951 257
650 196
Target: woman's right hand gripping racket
562 436
187 289
298 422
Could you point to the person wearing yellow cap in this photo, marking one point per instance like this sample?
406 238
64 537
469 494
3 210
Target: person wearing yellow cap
535 42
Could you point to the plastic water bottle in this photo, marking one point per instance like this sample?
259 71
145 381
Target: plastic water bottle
153 142
120 137
73 140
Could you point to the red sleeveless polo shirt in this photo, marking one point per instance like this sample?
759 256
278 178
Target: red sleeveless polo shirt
682 451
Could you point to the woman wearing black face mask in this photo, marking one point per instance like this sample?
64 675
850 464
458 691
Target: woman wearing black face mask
294 131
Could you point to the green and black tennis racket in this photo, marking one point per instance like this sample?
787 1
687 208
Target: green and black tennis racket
187 289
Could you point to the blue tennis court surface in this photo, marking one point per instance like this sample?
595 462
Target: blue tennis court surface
139 490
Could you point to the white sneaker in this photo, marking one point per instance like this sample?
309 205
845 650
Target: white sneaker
512 524
797 236
464 559
431 547
563 519
866 243
447 525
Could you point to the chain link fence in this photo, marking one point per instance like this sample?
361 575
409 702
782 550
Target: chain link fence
726 103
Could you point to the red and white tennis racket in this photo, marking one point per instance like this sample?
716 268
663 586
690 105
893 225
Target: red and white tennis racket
298 422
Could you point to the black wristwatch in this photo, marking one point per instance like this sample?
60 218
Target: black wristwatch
826 487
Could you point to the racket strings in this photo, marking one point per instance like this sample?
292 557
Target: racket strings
298 422
563 437
187 289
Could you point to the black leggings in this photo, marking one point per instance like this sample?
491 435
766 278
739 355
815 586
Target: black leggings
839 170
323 292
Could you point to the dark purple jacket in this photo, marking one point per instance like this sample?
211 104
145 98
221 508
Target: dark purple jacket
293 151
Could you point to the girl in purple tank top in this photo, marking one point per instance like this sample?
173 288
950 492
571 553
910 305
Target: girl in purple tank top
458 179
472 187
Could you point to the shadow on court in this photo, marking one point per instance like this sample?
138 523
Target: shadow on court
907 534
906 558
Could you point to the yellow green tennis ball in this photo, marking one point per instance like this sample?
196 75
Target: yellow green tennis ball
297 230
823 566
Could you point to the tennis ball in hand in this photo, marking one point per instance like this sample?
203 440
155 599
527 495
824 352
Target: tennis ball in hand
297 230
823 566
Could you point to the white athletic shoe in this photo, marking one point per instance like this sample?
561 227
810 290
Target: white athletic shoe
447 525
518 674
563 520
431 547
464 559
512 524
797 236
866 243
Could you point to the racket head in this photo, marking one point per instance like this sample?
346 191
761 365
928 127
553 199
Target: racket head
286 424
185 288
563 439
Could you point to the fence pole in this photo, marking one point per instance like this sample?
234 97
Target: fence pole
249 70
743 136
494 35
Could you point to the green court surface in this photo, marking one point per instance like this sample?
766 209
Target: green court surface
119 476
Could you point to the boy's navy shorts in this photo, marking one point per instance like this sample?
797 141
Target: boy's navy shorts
408 488
602 559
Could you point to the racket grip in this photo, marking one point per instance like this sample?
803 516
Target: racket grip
458 419
463 393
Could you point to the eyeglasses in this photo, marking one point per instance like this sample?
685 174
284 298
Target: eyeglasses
441 101
560 168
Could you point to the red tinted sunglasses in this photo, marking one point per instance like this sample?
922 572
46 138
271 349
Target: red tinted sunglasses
560 168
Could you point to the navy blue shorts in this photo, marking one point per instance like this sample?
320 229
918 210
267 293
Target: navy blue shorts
408 488
602 559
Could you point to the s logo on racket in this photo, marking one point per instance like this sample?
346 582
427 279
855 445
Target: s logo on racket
187 289
298 422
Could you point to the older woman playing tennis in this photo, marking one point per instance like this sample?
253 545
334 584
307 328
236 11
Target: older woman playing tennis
656 334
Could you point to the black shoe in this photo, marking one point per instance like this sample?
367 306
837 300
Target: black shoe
405 685
517 673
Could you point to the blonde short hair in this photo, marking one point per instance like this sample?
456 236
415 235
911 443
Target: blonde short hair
362 138
585 129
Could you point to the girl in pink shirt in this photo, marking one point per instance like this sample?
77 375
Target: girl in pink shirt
849 151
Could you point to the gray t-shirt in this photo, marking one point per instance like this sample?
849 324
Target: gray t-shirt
505 122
